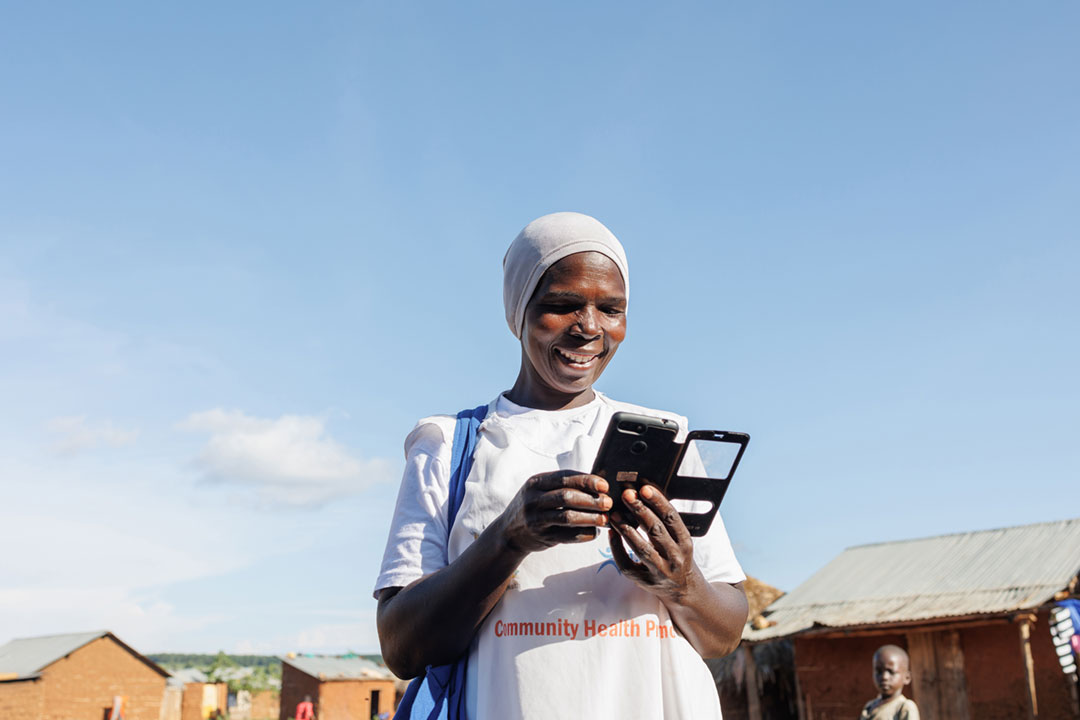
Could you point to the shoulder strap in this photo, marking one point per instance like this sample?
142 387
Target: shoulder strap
444 686
465 432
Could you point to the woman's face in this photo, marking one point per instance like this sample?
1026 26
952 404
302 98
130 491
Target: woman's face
573 324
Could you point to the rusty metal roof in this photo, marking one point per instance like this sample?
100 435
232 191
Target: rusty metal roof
975 573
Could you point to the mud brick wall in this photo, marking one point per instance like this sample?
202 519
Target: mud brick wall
20 699
836 674
191 701
351 699
997 686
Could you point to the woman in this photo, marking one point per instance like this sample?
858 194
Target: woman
565 610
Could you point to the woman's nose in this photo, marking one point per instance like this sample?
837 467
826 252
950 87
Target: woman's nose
588 320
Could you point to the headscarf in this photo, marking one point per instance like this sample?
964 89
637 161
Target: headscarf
544 242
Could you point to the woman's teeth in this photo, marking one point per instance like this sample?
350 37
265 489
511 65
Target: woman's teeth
580 359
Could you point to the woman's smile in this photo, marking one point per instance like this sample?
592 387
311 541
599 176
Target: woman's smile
577 359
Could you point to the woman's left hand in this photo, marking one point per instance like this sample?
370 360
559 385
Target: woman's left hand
709 615
665 551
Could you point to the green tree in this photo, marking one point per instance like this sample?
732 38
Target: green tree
221 669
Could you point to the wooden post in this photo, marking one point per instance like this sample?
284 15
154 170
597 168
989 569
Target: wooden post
924 674
800 701
1025 621
953 676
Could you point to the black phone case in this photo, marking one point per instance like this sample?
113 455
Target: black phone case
637 449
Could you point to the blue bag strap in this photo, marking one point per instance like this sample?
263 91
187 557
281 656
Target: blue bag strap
466 432
440 693
405 706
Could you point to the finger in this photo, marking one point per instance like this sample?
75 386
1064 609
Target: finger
573 535
667 513
563 517
573 499
652 525
647 555
593 484
622 559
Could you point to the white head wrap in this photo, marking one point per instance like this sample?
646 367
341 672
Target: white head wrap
544 242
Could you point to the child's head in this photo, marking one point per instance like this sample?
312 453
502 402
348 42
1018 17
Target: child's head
892 670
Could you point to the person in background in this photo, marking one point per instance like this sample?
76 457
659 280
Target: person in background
305 710
892 671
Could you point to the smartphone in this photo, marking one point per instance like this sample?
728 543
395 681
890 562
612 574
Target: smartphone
636 449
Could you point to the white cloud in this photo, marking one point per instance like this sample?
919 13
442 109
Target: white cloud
290 460
76 434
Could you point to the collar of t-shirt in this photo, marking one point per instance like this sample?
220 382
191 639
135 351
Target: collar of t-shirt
547 432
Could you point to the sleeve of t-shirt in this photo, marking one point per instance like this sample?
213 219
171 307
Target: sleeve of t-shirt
712 552
417 542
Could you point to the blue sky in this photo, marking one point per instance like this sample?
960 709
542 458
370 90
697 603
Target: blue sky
243 248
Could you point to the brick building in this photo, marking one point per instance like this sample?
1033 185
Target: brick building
77 677
973 610
340 688
200 699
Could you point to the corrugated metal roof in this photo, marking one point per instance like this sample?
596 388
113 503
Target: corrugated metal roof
183 676
25 657
186 675
974 573
337 668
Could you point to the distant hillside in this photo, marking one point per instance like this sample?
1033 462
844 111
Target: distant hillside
176 661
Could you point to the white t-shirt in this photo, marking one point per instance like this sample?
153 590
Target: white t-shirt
571 637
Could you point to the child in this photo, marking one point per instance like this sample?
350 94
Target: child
891 673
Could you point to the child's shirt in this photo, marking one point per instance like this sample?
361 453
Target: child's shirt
899 708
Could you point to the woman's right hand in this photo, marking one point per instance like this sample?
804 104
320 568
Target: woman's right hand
554 508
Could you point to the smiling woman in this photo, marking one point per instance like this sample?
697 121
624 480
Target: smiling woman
617 622
572 327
